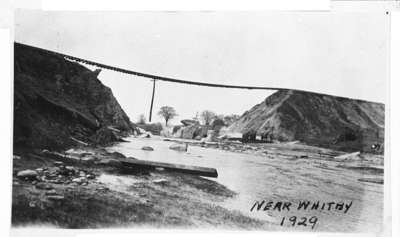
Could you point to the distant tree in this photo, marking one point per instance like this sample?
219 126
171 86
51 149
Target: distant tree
196 118
219 116
217 124
168 113
229 119
141 119
207 116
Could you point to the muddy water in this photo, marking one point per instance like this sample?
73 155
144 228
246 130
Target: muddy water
257 178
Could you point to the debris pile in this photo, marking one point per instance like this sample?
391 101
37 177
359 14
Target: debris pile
58 174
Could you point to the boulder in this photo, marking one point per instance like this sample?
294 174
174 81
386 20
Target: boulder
90 176
117 155
147 148
189 122
189 131
141 130
201 131
176 128
145 135
211 136
177 132
179 147
30 174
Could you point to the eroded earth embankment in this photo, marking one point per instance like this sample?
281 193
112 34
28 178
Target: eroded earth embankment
59 104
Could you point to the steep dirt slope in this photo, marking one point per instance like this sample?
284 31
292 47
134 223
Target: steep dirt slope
289 115
57 101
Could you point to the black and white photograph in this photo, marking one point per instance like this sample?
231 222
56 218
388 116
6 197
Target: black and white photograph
267 121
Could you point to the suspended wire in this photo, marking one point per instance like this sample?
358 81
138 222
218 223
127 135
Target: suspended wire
140 74
161 78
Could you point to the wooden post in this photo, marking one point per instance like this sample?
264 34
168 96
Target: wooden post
152 99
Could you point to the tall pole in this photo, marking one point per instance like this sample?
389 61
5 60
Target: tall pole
152 100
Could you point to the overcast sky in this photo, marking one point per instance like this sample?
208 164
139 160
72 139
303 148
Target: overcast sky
344 54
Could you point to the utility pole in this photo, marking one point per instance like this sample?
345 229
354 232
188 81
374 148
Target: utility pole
152 99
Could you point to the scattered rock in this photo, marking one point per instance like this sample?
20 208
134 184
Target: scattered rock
54 170
57 181
109 162
80 180
90 176
104 136
160 181
83 154
42 185
88 159
58 163
179 147
15 157
56 198
118 155
147 148
102 189
29 174
145 135
70 169
51 192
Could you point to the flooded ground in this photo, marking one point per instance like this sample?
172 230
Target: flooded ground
287 173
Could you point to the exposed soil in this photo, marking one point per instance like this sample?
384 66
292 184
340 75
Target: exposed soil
322 120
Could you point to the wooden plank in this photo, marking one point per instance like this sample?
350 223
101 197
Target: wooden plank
188 169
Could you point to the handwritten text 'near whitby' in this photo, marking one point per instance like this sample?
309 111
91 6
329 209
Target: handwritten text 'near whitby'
341 207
